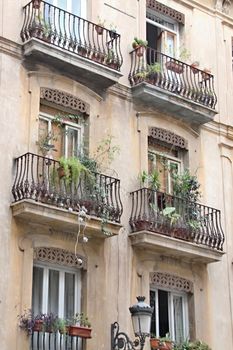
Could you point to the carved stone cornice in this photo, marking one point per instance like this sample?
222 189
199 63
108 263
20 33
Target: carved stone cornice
166 10
59 257
65 100
168 137
165 280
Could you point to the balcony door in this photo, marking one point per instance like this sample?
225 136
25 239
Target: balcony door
162 33
170 314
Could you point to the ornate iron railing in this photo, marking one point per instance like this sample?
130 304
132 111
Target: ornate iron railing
70 32
56 341
165 72
38 178
176 217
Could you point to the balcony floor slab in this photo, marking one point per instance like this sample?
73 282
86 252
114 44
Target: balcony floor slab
172 247
150 96
61 219
96 76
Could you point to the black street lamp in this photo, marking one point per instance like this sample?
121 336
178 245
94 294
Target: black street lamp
141 318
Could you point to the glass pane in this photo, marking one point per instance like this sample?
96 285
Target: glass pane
163 313
72 142
62 4
53 291
76 7
178 318
170 45
37 290
153 319
69 295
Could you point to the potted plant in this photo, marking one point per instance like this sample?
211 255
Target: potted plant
99 27
153 72
166 343
71 169
36 4
82 50
50 323
113 32
112 60
195 345
154 342
80 326
30 323
194 67
206 74
62 325
175 66
139 46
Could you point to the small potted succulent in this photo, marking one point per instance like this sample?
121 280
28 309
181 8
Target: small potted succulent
99 27
80 326
139 46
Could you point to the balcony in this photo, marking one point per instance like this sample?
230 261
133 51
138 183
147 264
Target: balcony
171 226
70 44
42 195
171 86
56 341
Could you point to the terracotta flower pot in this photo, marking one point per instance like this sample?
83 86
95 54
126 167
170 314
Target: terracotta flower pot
38 326
36 4
154 343
140 51
78 331
175 67
99 29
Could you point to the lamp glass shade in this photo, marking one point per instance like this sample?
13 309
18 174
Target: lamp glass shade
141 317
141 324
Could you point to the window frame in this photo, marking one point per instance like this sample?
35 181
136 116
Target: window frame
45 284
68 124
170 159
166 30
83 6
171 294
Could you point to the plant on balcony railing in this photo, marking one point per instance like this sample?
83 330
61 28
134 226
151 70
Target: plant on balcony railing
192 345
80 326
70 32
37 179
177 217
173 75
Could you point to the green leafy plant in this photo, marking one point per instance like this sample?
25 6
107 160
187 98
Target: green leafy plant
186 186
81 319
139 42
196 345
73 169
152 179
171 215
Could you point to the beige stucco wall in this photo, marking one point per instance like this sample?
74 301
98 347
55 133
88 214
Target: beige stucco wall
116 272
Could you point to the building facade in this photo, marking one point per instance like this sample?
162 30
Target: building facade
91 241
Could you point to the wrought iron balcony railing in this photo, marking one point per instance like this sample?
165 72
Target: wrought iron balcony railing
179 78
56 341
175 217
37 178
70 32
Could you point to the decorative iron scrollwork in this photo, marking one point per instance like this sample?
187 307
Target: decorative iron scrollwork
121 341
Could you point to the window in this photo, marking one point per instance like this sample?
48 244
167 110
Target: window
56 290
76 7
162 33
59 141
170 314
166 162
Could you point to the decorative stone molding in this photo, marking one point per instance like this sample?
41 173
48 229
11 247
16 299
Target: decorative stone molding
59 257
165 10
168 137
64 99
223 5
165 280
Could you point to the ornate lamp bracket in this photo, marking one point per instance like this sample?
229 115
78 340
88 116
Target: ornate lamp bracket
121 341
